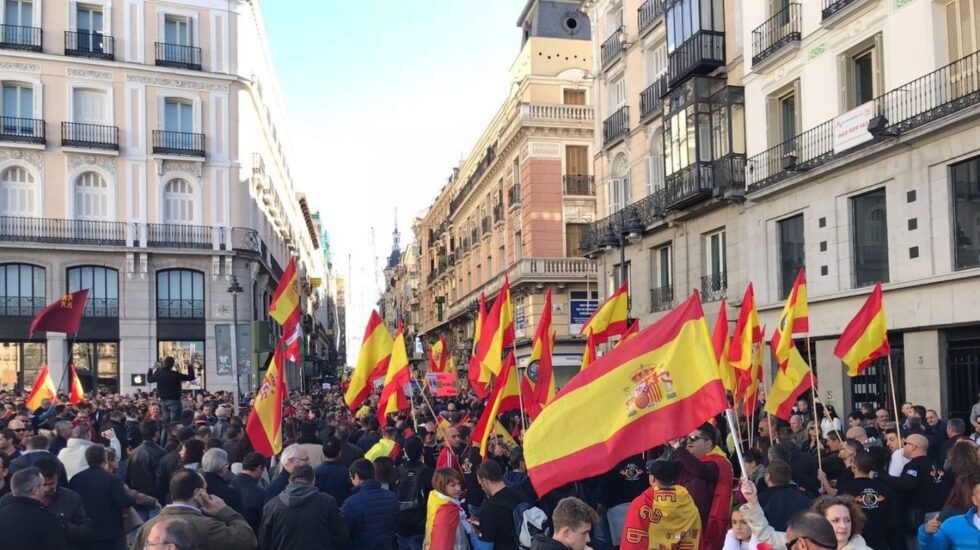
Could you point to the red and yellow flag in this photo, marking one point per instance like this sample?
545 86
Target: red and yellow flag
43 389
538 381
65 315
589 354
505 397
264 426
794 319
393 397
285 302
722 343
793 379
611 318
658 386
630 332
662 518
438 358
76 393
747 336
372 362
441 522
479 381
497 332
749 382
866 336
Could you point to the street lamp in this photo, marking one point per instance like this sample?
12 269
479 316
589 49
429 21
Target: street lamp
235 289
630 230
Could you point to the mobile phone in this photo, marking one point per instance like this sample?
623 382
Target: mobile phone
931 516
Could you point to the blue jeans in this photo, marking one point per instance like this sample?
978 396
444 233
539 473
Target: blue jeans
412 542
616 518
600 534
171 409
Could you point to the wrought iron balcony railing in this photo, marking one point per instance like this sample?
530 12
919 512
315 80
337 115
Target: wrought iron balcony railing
22 130
833 7
185 144
932 97
648 13
91 136
700 54
21 306
178 56
661 298
55 231
180 309
650 103
616 126
612 48
498 213
777 32
15 37
579 185
647 210
89 44
514 195
714 287
101 307
180 236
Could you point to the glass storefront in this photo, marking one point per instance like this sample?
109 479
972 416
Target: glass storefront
186 354
101 358
20 363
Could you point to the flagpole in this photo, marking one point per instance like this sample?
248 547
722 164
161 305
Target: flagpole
520 394
768 385
813 395
435 417
738 443
64 373
411 401
891 380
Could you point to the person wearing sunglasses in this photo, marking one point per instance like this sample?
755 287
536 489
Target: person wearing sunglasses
707 474
809 531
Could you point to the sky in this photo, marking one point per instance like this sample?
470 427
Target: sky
384 98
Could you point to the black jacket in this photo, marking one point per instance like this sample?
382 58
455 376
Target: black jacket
57 444
541 542
302 517
235 449
68 507
168 382
253 499
780 503
349 453
105 498
25 523
497 519
169 463
411 520
881 510
141 474
333 478
220 488
28 459
276 485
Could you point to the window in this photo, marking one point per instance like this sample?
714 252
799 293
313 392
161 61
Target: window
619 188
573 239
617 277
92 197
516 173
573 97
616 90
792 256
20 363
784 115
577 178
177 31
966 213
861 73
714 282
655 162
90 106
870 229
655 63
18 102
614 20
179 202
21 290
685 18
180 294
178 116
90 28
100 358
518 246
17 193
661 280
103 285
19 13
962 28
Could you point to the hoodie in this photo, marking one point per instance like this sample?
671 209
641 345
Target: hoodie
302 517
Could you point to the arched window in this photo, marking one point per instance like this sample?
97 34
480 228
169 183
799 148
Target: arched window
178 202
619 187
21 290
17 192
180 294
103 285
91 197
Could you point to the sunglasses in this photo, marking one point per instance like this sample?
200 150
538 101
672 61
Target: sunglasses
694 438
792 542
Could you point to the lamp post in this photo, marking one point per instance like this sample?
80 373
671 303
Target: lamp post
235 289
628 231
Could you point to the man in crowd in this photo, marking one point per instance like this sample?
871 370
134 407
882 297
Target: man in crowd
412 491
919 485
616 490
955 431
665 515
782 498
348 451
171 534
371 512
37 449
168 383
62 431
145 460
73 455
878 502
248 485
572 522
810 531
497 513
170 462
302 517
24 519
8 443
216 470
105 498
292 456
708 476
332 477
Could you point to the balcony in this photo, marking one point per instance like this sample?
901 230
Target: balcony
498 213
650 99
21 306
834 7
514 195
183 144
14 37
89 136
55 231
557 113
178 56
702 53
103 308
612 48
579 185
778 32
649 13
701 181
180 309
165 235
616 127
714 287
648 210
93 45
927 99
661 298
22 130
485 225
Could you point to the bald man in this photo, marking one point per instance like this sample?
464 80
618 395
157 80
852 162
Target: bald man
171 534
920 485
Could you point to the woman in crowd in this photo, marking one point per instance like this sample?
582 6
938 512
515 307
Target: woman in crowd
740 536
446 527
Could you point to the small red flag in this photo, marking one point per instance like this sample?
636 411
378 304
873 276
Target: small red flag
76 393
62 316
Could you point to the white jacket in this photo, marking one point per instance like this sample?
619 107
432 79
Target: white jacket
73 455
732 543
756 519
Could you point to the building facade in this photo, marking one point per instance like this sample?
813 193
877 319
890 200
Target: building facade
143 155
518 204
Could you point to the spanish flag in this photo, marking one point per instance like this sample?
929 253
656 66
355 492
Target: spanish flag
497 332
438 356
384 447
393 397
747 336
589 354
722 343
441 521
479 382
748 383
538 381
611 318
285 302
264 426
76 393
866 336
794 319
793 379
662 518
630 332
43 389
505 397
372 362
658 386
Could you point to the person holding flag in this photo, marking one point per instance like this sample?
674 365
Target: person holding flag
709 478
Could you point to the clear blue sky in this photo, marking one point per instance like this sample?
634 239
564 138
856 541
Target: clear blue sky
384 97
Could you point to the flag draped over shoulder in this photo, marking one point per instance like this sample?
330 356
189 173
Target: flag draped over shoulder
398 376
438 358
64 315
441 522
76 393
504 397
866 336
43 389
264 426
479 381
611 318
722 343
659 385
662 518
538 381
372 362
497 332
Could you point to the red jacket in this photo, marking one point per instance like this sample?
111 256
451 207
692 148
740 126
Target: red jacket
710 481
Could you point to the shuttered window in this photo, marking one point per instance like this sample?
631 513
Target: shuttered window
962 28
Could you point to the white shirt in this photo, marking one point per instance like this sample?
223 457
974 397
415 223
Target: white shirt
73 455
897 463
828 425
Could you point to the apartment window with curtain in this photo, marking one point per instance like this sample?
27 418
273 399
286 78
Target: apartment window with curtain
966 213
661 279
860 71
655 63
577 178
18 109
573 97
784 114
792 255
573 239
618 185
655 162
18 19
870 232
615 95
715 280
90 28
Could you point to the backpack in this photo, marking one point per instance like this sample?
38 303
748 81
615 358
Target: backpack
529 522
411 506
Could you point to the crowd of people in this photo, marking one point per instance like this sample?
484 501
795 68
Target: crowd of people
172 470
